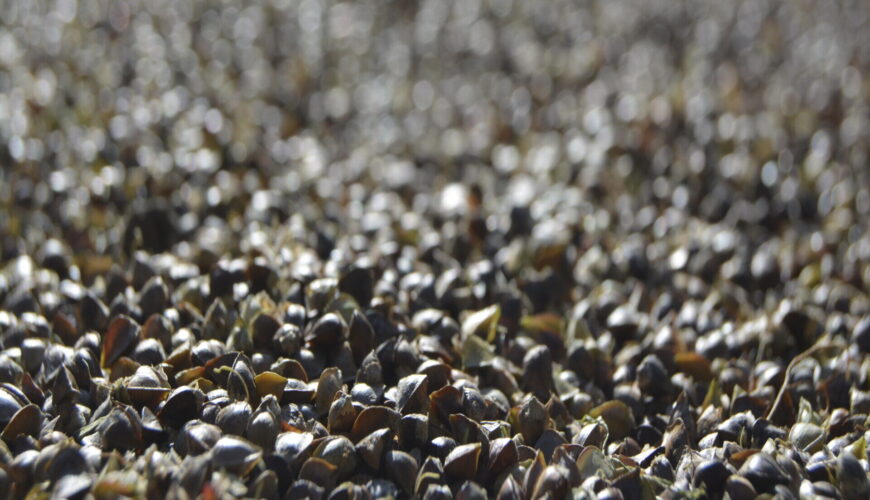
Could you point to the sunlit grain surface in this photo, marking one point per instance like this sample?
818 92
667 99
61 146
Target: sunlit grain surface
436 249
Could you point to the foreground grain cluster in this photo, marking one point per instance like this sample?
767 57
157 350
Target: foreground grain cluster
439 249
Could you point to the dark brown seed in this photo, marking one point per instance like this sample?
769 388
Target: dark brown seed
532 419
298 392
364 394
444 402
618 417
234 418
9 406
510 490
342 414
154 297
502 454
304 489
94 312
412 394
441 446
462 461
120 339
372 419
265 485
340 452
852 477
149 352
593 434
215 322
763 472
263 430
328 384
430 473
290 368
437 491
72 485
122 430
320 472
292 446
740 488
263 328
182 405
861 334
694 365
236 455
553 482
27 420
270 383
712 474
371 448
548 442
675 441
358 282
361 336
623 322
401 468
538 372
630 485
652 376
413 431
471 491
326 333
534 472
349 491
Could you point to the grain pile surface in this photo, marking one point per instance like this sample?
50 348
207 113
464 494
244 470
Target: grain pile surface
513 249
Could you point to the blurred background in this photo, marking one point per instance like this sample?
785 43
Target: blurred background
650 215
133 124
